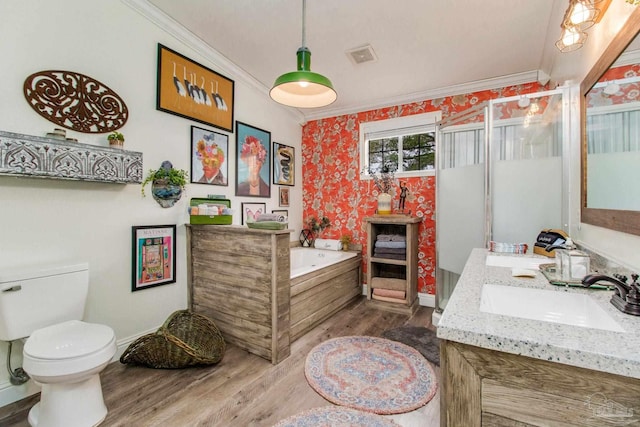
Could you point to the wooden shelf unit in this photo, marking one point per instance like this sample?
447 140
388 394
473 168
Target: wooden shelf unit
406 269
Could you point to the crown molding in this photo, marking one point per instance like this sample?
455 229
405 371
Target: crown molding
221 63
627 58
464 88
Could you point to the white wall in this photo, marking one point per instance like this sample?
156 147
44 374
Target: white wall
573 67
51 221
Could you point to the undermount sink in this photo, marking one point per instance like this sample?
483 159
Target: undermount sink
516 261
548 306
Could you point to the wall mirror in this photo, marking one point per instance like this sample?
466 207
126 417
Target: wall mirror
610 126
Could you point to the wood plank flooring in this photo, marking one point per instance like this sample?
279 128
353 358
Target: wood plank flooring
242 390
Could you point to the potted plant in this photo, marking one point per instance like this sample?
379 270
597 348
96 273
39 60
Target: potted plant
345 239
167 184
384 182
116 139
318 225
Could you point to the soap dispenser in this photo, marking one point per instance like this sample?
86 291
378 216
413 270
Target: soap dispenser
574 264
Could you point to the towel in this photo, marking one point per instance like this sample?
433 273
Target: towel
271 217
330 244
390 256
390 250
391 238
389 293
380 244
388 283
387 299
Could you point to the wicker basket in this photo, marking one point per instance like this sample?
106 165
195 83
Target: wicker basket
185 339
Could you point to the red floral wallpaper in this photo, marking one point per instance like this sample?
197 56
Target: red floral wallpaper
331 170
627 92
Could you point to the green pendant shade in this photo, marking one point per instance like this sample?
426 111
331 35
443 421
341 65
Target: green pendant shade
303 88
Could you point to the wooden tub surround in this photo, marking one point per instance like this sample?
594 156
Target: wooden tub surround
508 371
240 278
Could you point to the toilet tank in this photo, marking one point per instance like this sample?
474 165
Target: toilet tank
31 299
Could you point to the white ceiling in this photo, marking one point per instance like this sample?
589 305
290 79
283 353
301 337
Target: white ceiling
421 45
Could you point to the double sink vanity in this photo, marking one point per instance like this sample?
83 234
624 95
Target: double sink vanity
519 351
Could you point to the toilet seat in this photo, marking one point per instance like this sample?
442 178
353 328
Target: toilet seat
68 348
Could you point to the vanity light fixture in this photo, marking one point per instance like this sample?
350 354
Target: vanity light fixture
303 88
581 15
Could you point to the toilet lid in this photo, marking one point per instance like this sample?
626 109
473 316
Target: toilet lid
68 339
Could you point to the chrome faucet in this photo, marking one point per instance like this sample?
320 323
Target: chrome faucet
626 297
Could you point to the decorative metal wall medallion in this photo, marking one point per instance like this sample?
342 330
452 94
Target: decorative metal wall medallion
75 101
34 156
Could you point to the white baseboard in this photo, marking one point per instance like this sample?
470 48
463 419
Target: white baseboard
427 300
10 393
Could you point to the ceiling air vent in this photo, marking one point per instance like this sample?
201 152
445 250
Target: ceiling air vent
362 54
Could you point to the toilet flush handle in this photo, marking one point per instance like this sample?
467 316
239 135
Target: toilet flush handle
13 289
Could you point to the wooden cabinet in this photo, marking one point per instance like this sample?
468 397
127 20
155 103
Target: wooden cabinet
481 387
240 278
403 272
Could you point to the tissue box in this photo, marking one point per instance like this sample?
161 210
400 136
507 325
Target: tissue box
207 219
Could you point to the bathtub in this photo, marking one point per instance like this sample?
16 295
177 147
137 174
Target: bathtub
322 282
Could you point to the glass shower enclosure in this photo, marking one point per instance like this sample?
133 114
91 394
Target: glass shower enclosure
502 176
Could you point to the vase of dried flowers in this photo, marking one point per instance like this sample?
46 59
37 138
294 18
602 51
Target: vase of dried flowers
383 180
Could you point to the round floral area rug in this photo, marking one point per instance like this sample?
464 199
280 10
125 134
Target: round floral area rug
335 416
371 374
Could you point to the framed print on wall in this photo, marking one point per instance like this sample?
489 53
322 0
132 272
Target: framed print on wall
253 161
284 196
153 256
193 91
251 211
284 169
209 153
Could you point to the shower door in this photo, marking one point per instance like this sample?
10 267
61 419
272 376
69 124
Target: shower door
502 175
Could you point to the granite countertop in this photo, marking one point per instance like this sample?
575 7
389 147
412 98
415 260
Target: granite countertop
601 350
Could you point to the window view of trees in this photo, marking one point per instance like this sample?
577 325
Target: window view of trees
417 152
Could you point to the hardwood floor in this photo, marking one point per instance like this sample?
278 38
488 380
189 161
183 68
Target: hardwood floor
242 390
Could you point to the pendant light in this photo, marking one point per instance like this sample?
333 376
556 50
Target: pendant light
303 88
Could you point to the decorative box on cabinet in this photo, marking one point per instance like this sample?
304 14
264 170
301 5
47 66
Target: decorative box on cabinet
402 269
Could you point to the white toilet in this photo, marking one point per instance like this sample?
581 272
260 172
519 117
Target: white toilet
62 354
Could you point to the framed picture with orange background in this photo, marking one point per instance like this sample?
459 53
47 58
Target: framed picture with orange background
193 91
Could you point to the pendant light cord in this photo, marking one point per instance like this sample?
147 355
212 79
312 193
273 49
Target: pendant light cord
304 14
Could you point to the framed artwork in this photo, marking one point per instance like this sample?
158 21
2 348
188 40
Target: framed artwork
253 161
209 154
283 212
251 211
153 256
284 158
193 91
284 196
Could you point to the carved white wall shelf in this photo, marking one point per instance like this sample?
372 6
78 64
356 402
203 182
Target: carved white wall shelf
35 156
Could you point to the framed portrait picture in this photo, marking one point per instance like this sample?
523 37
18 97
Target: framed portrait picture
153 256
253 161
284 158
209 154
193 91
251 211
284 196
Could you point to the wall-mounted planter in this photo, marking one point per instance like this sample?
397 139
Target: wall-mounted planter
35 156
164 193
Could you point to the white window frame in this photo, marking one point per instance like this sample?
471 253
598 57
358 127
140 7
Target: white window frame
425 122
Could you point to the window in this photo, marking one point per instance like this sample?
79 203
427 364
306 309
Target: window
408 143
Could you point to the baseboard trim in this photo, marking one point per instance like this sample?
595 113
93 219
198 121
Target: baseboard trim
10 393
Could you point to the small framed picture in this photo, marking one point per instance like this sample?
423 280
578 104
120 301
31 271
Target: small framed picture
209 154
284 196
284 165
253 161
251 211
280 212
153 256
